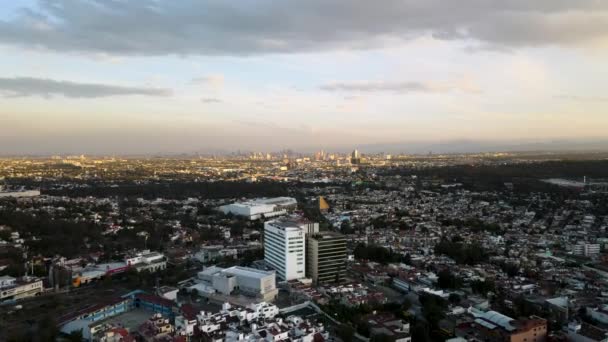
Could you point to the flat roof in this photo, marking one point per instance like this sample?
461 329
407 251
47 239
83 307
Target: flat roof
248 272
327 235
266 201
110 266
289 222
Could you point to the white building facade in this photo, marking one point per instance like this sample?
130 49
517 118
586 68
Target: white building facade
261 207
284 246
590 250
14 289
147 261
248 281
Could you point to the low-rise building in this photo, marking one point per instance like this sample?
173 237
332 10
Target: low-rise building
17 288
590 250
258 322
261 207
585 332
494 326
387 324
244 280
212 253
147 261
157 328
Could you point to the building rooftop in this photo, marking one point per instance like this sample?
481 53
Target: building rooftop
327 235
267 201
237 271
289 222
248 272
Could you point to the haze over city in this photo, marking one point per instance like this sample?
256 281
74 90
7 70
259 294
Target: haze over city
201 76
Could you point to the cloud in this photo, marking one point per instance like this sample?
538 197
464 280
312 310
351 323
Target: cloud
219 27
28 86
212 80
211 100
582 98
399 87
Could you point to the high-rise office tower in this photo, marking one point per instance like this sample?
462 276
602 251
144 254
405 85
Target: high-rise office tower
326 257
355 158
285 246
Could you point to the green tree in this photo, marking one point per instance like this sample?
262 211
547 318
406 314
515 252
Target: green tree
447 280
47 329
382 338
345 332
75 336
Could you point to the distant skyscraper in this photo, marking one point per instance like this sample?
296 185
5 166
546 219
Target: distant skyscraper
321 155
355 158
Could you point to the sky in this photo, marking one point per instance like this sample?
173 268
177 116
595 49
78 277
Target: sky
197 76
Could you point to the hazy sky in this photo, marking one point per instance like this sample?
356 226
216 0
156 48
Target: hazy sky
147 76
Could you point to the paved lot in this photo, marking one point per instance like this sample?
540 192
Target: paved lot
130 320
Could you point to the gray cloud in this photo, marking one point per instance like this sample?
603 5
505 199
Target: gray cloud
220 27
398 87
28 86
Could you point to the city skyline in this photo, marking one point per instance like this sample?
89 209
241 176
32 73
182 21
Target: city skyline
150 77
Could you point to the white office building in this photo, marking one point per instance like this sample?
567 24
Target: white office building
284 246
590 250
261 207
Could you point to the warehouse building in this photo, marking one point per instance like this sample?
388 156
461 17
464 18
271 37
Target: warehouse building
243 280
261 207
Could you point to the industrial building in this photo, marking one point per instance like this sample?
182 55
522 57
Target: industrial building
261 207
12 288
248 281
492 325
326 257
142 261
285 246
147 261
